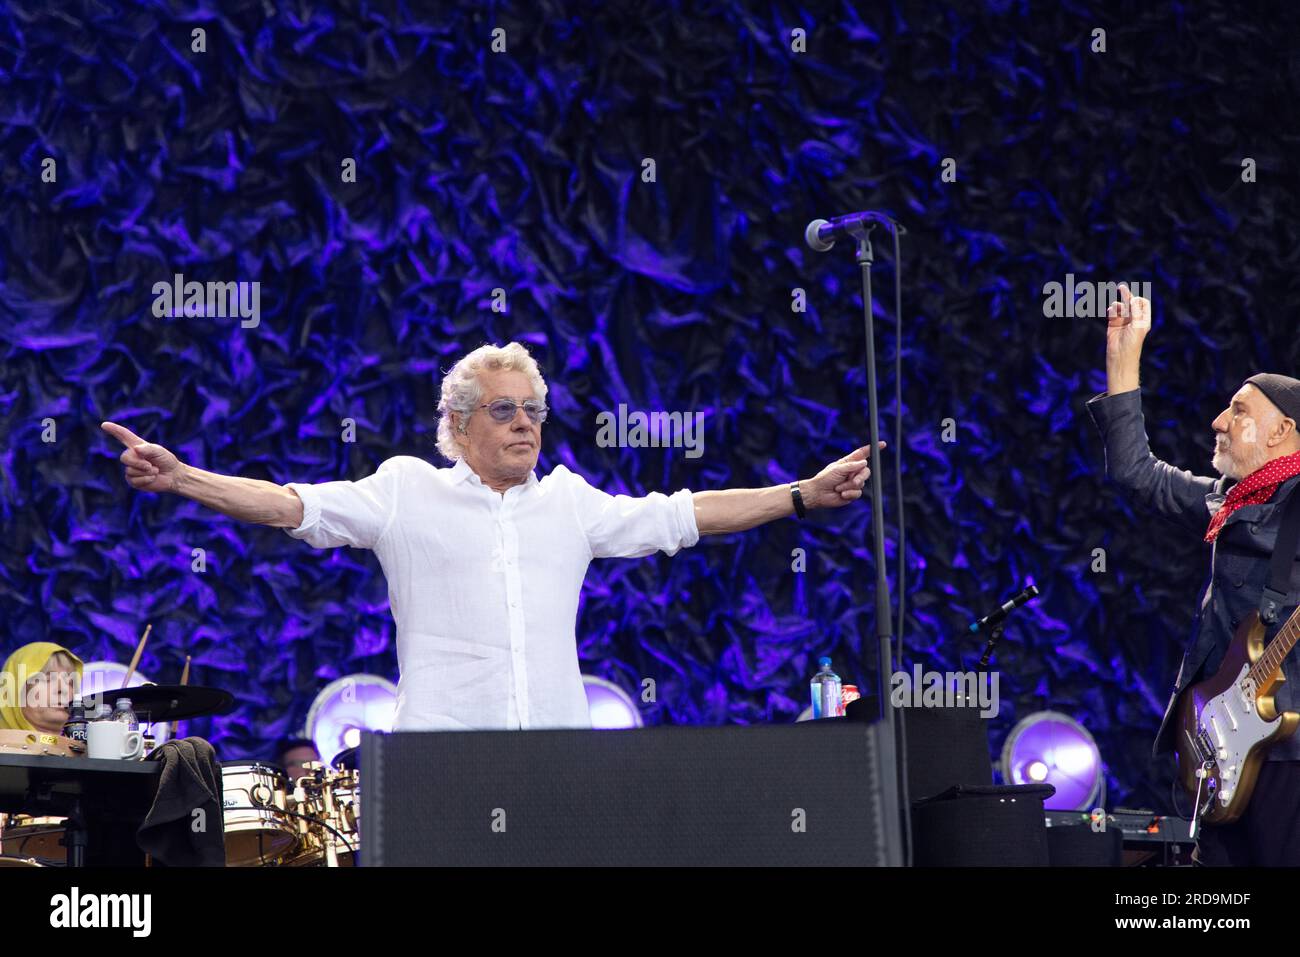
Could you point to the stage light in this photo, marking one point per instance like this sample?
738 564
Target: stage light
1049 747
348 706
106 677
609 705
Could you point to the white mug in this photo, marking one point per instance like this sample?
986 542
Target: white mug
113 740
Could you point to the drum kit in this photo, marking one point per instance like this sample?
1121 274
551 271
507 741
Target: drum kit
269 821
316 822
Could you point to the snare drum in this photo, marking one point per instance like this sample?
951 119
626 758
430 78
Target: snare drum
257 829
28 837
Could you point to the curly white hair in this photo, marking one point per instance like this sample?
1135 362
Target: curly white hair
462 391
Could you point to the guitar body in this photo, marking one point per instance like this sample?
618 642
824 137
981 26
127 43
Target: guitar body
1227 722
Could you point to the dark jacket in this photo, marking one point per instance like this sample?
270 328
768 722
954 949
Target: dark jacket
1239 558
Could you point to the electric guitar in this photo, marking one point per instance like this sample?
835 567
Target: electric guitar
1226 722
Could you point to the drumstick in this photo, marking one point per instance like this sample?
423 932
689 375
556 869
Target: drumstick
185 679
135 659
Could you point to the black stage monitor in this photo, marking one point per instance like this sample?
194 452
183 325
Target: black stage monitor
799 795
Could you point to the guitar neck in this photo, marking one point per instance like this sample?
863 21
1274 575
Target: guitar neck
1277 649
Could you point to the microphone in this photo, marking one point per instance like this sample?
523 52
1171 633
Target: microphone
821 234
1029 594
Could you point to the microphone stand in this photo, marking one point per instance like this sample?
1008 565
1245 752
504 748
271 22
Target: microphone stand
884 611
994 637
894 756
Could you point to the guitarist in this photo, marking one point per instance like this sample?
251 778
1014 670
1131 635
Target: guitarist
1257 455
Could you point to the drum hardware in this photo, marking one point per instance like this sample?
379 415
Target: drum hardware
328 803
319 849
266 824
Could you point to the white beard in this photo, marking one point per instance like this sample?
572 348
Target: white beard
1227 464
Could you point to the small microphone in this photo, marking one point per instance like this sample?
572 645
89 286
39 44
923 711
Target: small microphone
821 234
993 618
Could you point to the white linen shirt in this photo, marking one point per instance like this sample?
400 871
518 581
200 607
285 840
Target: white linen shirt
484 587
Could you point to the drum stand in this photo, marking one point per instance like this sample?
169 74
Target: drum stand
74 836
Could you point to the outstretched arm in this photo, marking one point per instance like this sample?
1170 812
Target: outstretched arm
738 509
152 468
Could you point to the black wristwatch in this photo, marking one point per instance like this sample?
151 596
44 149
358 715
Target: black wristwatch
798 500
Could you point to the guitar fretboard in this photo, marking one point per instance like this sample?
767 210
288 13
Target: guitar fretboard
1277 650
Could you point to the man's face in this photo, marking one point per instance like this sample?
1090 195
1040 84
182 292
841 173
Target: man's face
1242 433
294 759
501 451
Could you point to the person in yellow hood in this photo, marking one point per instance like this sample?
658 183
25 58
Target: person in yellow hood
37 684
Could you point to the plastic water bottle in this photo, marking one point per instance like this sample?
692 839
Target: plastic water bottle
827 701
75 726
123 712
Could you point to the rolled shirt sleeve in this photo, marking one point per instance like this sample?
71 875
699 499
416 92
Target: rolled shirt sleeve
626 526
348 513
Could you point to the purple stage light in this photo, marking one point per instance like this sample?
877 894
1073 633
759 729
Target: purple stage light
609 705
1049 747
348 706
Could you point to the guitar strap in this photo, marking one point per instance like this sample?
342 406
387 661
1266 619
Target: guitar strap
1284 555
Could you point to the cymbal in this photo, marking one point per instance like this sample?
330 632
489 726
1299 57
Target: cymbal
347 760
156 703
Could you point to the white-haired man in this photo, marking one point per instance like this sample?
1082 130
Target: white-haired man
484 561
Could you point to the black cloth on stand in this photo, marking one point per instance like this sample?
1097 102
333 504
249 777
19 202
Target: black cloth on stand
191 780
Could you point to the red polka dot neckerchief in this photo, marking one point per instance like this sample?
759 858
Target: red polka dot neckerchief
1255 489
